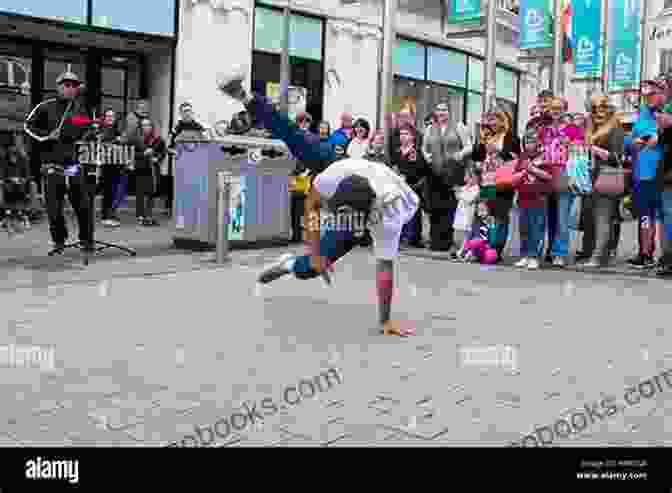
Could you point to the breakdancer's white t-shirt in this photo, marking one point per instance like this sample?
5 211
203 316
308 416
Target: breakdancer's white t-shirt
394 206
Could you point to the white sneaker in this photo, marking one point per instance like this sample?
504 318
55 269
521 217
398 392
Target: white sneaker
533 264
276 270
558 262
522 263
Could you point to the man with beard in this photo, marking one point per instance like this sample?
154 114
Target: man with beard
57 124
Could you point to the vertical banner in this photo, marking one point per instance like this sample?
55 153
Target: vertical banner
535 25
624 27
463 10
586 28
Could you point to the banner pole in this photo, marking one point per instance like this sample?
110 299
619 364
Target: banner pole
605 42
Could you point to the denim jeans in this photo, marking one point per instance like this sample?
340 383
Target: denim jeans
564 224
666 207
535 221
412 231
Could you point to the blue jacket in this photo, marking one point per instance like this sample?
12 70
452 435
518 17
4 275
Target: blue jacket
646 158
339 137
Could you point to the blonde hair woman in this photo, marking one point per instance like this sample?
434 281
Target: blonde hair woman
605 138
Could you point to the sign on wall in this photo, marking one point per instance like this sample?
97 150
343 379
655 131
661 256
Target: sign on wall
463 10
535 25
586 27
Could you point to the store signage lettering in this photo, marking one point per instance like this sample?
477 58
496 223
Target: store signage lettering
660 33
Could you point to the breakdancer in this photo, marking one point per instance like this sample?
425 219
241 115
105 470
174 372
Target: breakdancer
348 188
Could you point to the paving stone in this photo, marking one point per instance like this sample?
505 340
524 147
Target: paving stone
367 435
166 426
8 441
38 432
267 437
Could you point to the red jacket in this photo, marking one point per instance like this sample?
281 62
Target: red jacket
532 188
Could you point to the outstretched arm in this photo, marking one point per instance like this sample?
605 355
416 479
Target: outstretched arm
304 145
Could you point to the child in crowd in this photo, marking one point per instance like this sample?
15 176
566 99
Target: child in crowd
531 179
466 210
479 247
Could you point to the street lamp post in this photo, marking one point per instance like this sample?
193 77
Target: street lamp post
284 62
489 82
387 69
557 78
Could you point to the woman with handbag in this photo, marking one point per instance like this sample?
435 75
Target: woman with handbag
605 138
446 146
501 146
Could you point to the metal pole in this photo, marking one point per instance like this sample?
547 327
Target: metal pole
387 75
284 61
223 199
556 81
489 82
643 44
605 40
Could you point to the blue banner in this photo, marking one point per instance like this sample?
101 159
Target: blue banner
624 27
535 25
463 10
586 29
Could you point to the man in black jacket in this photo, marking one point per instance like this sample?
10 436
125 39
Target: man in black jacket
57 124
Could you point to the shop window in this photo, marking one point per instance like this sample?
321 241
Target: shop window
506 83
435 94
422 98
113 80
407 94
305 33
15 89
474 108
476 71
63 10
668 4
409 59
665 61
116 104
147 16
446 66
306 77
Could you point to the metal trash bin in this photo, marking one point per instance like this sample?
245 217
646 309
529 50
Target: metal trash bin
259 208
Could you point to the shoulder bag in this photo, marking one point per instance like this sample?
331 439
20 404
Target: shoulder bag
612 181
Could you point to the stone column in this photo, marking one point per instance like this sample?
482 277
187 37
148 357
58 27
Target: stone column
215 37
351 68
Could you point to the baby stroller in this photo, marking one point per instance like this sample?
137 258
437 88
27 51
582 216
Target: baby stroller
15 203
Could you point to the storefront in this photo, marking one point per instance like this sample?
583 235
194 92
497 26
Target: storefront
426 75
122 50
335 58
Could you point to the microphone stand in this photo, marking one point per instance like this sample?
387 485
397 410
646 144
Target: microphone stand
90 173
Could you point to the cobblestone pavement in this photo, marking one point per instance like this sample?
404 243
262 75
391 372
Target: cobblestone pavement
143 360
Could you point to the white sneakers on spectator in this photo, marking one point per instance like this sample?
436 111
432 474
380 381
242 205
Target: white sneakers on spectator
558 262
528 263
